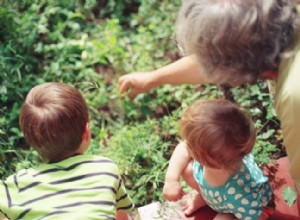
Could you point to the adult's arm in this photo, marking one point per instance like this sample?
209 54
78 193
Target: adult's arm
183 71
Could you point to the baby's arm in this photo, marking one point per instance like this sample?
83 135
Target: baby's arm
122 215
180 158
184 71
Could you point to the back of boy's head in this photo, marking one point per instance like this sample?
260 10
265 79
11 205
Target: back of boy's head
236 40
217 133
53 119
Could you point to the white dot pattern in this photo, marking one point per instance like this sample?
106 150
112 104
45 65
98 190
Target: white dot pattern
240 182
230 206
247 189
244 194
254 195
245 201
241 209
238 215
254 204
238 196
231 191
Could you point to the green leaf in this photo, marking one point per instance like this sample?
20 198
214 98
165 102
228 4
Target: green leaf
267 134
289 195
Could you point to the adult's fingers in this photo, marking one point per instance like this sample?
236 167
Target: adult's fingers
124 85
132 94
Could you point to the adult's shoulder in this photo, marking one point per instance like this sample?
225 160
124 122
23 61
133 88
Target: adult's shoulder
287 90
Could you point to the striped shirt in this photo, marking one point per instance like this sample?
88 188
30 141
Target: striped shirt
80 187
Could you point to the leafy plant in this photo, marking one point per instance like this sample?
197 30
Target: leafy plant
141 154
289 195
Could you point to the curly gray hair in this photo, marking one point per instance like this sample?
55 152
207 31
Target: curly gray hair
236 40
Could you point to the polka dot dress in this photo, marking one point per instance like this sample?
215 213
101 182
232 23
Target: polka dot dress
244 194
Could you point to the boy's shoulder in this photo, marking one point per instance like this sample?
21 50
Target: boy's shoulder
84 159
79 162
46 171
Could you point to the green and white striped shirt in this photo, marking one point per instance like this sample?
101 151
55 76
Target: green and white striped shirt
80 187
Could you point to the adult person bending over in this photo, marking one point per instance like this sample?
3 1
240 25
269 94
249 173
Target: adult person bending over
234 42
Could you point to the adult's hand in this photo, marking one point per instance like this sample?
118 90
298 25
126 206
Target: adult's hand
135 83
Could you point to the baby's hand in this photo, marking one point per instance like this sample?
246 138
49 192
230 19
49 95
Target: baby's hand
172 191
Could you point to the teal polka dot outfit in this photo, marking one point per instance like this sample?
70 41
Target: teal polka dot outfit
244 194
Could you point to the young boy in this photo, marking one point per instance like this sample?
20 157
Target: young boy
70 185
214 159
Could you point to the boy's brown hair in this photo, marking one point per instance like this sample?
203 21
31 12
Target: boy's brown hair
236 40
53 119
218 133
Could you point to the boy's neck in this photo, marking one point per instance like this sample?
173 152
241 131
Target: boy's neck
57 161
83 147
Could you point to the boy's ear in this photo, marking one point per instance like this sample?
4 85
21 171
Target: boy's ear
86 133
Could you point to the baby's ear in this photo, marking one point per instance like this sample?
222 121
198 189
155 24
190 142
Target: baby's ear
86 133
